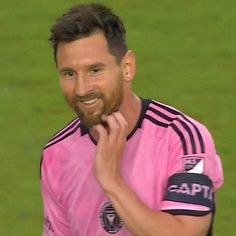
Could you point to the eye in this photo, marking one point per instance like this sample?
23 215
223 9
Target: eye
94 70
68 73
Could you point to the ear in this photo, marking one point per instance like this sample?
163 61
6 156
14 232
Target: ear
129 66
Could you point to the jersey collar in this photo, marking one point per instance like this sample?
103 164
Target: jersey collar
144 105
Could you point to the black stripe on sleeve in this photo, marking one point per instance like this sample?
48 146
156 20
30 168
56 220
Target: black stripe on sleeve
66 128
202 146
193 144
180 134
162 115
63 137
175 128
187 212
153 120
175 112
185 126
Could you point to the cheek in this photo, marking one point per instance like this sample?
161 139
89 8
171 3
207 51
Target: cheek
66 86
115 84
67 89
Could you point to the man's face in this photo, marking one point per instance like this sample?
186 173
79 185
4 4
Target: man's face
90 78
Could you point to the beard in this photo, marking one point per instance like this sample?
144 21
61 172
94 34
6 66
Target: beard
107 104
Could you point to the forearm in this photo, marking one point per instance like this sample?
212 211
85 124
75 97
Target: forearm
141 220
138 218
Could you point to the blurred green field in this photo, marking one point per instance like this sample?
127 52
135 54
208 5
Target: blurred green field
186 56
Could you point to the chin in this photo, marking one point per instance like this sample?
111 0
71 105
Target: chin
89 122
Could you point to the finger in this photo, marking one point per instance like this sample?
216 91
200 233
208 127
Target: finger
122 123
113 128
102 135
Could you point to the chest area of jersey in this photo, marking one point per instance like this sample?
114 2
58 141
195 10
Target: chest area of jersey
83 197
140 164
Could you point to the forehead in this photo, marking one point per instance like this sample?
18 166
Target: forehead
86 50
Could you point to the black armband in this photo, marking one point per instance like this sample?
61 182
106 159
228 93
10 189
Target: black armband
190 188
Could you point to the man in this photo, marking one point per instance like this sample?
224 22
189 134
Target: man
126 165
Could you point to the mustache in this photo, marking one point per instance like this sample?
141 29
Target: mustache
87 97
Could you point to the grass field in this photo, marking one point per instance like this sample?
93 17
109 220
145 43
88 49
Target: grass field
186 56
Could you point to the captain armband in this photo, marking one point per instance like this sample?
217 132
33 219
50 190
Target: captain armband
190 188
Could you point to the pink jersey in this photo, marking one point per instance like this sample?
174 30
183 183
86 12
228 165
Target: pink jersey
169 161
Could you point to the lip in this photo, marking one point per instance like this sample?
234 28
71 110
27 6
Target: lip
90 103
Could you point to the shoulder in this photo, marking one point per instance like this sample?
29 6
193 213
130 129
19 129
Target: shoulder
67 131
178 127
191 148
58 145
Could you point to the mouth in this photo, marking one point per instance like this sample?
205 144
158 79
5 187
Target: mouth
90 102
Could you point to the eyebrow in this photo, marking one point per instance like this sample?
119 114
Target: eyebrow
65 69
89 66
95 65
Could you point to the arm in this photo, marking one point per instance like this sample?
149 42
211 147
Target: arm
54 216
143 221
139 219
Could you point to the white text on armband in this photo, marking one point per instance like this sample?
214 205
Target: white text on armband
190 188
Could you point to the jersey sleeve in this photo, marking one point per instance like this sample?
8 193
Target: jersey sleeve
55 222
194 174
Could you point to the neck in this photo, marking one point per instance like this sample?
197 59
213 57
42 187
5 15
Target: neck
130 109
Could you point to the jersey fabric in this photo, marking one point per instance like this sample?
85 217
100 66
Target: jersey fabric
169 161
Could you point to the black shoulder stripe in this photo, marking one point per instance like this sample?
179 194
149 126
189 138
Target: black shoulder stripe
153 120
175 128
180 134
202 146
193 144
175 112
171 110
63 137
185 126
162 115
65 129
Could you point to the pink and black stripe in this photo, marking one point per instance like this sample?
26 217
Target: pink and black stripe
68 130
165 116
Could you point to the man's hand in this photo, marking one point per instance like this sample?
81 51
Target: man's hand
111 141
138 218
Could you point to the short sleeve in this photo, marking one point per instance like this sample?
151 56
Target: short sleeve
55 222
194 173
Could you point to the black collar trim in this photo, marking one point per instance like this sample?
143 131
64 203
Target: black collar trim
144 105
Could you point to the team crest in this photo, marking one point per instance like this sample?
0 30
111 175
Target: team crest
193 164
110 220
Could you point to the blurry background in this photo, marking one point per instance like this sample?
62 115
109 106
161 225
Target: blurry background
186 56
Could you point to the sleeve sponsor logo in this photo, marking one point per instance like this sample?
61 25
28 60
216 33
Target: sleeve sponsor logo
193 164
190 188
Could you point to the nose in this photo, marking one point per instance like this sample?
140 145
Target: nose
82 87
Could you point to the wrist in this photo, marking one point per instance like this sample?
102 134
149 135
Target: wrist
109 184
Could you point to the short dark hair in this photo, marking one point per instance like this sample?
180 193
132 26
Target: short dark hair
84 19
